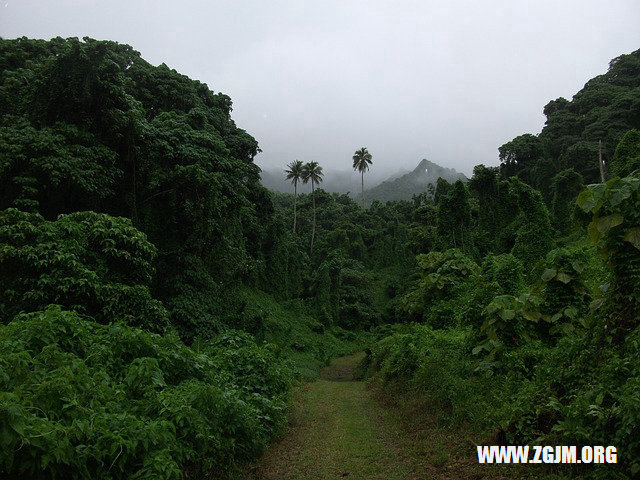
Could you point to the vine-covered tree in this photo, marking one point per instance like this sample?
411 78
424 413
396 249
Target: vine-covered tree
626 158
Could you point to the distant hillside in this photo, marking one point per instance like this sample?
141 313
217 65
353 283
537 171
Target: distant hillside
339 181
412 183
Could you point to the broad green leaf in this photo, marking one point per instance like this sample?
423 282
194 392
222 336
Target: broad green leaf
548 274
633 237
594 233
564 277
507 314
571 312
531 316
604 224
587 201
578 266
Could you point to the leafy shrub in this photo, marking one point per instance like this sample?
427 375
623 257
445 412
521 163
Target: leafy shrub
505 270
615 227
90 262
626 159
80 399
583 392
435 363
565 187
443 276
563 283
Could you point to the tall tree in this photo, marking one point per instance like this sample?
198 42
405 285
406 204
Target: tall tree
294 173
361 161
312 171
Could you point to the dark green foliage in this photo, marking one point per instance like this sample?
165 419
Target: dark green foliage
615 225
533 238
540 346
437 363
442 189
565 187
497 210
443 277
86 400
129 198
342 289
626 158
98 128
454 216
53 169
564 289
603 110
93 263
423 233
519 157
505 270
583 392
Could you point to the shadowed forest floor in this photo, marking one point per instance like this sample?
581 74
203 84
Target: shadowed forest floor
342 428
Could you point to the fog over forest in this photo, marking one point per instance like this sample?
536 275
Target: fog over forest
446 81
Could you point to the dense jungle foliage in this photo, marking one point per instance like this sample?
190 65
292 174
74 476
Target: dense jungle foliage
523 322
157 303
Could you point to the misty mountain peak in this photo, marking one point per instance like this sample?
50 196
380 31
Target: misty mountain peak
412 183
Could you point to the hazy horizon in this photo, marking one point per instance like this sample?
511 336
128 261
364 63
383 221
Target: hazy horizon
449 82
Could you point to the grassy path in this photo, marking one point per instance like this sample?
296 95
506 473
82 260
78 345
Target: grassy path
338 431
341 429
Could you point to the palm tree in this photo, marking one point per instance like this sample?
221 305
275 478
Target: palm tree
361 161
312 171
294 173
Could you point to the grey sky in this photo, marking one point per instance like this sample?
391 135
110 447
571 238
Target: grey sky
447 80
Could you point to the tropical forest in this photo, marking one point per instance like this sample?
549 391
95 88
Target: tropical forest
163 315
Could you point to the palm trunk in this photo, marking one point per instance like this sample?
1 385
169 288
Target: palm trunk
362 187
313 199
295 200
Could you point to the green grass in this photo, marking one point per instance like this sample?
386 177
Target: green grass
338 430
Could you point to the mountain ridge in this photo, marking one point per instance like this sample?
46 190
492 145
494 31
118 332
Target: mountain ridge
401 185
412 183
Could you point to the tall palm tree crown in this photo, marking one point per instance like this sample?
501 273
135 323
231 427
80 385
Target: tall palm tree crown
361 161
294 173
312 171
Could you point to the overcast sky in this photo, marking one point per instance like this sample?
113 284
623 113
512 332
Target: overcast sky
447 80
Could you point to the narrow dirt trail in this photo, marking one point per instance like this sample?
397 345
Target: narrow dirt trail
338 431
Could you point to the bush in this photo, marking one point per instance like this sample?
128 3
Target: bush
437 364
444 276
89 262
80 399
